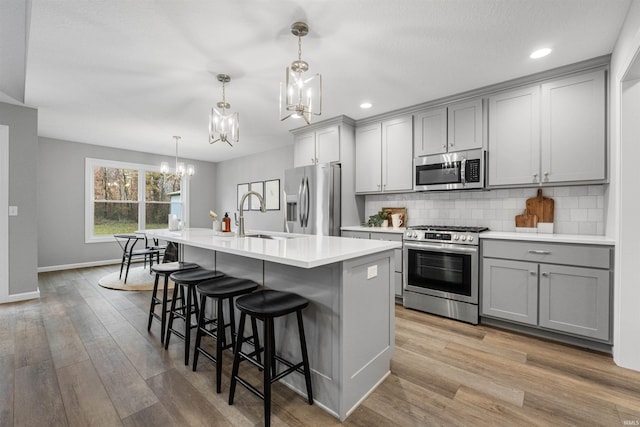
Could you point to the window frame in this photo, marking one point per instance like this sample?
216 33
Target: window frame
142 169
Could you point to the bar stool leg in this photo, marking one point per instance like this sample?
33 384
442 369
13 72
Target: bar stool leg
236 358
201 321
187 326
220 341
305 358
154 294
268 359
171 316
163 315
256 339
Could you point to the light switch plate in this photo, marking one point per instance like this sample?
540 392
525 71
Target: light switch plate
13 211
372 271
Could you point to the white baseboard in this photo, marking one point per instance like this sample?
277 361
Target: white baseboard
20 297
78 265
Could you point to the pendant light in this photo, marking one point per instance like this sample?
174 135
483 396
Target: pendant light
223 126
300 94
180 169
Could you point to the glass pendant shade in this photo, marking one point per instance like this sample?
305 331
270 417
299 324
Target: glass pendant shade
223 125
180 169
301 93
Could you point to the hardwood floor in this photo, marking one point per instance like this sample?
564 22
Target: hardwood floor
81 356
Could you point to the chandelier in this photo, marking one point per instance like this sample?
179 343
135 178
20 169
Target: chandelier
223 126
300 95
180 169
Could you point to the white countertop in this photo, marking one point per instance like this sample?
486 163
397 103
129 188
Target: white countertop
399 230
304 251
553 238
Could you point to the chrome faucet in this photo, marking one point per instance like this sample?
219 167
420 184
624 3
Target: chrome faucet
263 208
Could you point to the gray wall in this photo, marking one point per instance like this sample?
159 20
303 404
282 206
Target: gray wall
258 167
61 198
23 171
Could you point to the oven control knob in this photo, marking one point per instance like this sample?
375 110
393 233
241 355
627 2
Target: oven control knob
463 237
470 238
409 234
455 237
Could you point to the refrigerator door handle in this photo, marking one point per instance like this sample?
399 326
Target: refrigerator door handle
299 206
305 204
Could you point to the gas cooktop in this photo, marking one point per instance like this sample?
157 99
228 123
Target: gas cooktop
451 234
458 228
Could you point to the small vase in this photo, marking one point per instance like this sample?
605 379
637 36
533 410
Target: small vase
385 223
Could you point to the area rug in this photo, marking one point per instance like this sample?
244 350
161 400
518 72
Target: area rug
139 280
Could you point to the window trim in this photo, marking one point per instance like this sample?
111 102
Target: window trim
91 163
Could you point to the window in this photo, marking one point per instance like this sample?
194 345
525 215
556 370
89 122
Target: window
125 197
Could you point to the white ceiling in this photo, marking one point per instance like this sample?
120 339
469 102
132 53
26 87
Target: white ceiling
131 74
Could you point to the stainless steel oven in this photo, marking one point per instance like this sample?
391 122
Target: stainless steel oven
450 171
441 272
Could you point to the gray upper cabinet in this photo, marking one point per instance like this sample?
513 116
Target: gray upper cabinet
573 137
549 133
457 127
319 146
514 137
384 156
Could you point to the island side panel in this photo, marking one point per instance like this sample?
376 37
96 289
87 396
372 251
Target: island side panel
322 286
368 325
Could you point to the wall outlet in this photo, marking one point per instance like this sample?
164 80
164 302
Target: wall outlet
372 271
13 211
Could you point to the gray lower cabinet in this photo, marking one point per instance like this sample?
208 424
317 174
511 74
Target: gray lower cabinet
575 300
558 287
510 290
395 237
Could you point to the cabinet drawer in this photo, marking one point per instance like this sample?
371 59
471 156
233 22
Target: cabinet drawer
355 234
552 253
392 237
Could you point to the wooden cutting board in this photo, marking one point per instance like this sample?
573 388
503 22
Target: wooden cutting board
542 207
527 220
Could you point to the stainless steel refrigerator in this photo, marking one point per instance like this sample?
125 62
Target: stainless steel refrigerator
312 197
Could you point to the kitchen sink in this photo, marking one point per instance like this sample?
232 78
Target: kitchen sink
271 236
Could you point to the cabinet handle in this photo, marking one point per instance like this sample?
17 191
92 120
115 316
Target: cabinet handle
316 160
533 273
545 274
537 252
535 177
312 160
546 176
444 145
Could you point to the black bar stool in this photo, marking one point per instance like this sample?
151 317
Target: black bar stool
164 269
267 305
186 281
222 289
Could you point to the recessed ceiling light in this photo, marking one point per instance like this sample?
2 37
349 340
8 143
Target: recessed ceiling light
366 105
540 53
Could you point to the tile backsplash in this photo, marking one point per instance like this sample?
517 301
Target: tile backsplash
578 210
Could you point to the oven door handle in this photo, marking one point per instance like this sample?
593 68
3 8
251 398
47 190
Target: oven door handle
447 248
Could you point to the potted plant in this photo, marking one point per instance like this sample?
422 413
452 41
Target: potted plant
381 219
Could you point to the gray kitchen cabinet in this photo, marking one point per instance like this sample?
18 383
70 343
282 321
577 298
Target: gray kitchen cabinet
394 237
457 127
559 287
575 300
549 133
384 156
510 290
514 137
319 146
573 140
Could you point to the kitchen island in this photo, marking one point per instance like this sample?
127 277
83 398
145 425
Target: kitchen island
349 323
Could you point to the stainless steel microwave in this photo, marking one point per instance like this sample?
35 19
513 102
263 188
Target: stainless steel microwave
450 171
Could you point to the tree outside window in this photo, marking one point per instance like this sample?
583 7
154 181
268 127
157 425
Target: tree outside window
127 197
